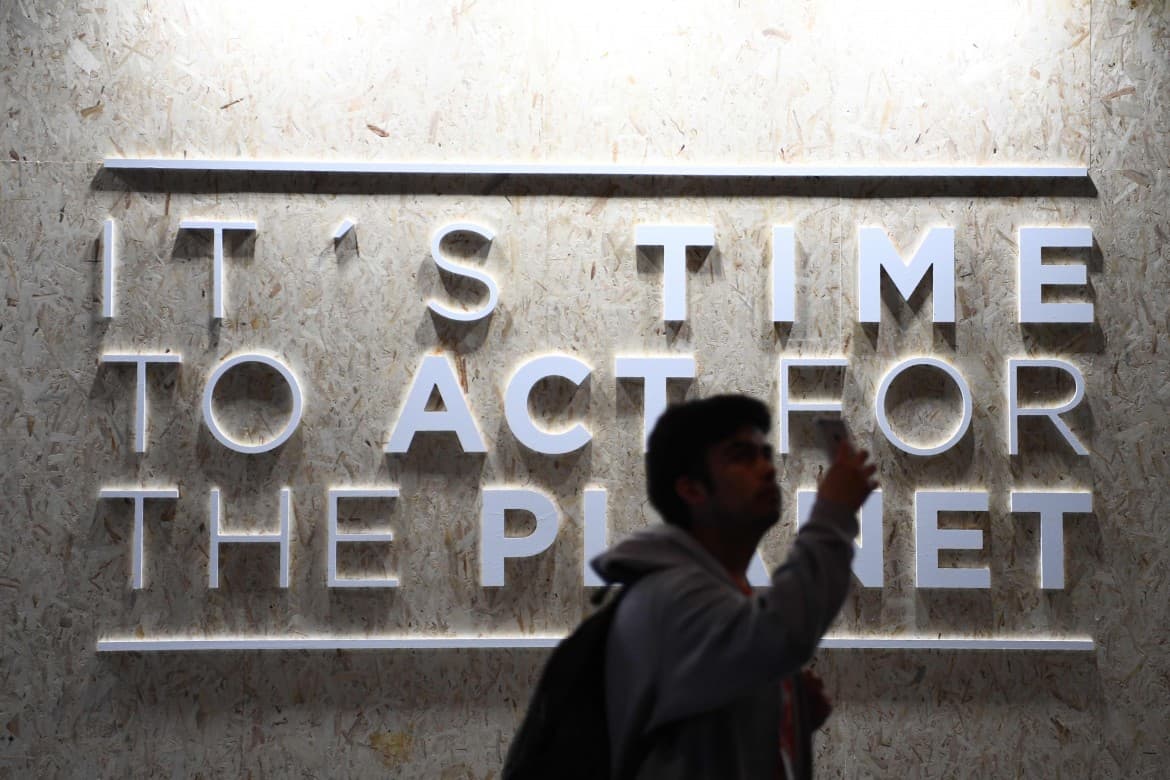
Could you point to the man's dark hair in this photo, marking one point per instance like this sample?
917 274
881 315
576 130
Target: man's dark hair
680 440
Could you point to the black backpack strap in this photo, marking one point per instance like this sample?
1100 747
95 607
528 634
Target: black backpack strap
640 750
564 732
641 746
598 597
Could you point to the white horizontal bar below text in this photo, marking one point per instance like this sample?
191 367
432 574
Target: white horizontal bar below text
499 642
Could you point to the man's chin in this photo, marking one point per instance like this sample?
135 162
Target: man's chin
770 509
767 519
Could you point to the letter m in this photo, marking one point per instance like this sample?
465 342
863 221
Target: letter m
876 252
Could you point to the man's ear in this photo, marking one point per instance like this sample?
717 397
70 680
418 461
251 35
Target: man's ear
692 491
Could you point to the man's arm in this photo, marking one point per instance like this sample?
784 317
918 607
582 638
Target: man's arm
715 645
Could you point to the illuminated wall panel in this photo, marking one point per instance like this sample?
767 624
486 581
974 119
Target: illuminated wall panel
418 401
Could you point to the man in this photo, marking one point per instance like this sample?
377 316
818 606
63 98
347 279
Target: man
702 676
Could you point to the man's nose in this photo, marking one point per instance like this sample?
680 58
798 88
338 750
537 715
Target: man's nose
768 465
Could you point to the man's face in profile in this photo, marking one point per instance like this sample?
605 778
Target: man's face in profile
741 488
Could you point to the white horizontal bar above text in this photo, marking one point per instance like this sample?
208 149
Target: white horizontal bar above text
571 169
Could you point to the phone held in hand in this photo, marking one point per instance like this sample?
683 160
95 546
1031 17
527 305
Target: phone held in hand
832 431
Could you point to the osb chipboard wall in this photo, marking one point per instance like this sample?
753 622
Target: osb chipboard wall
1053 83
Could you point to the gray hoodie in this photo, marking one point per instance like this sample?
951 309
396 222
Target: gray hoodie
695 663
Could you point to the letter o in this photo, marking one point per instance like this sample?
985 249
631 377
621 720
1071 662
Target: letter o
209 412
884 423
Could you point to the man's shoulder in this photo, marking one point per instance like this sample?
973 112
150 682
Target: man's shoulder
651 552
668 590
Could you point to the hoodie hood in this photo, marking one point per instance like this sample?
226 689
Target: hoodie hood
653 549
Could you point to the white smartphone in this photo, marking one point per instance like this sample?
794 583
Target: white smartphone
832 431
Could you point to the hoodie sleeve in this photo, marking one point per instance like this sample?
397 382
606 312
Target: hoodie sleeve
714 645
